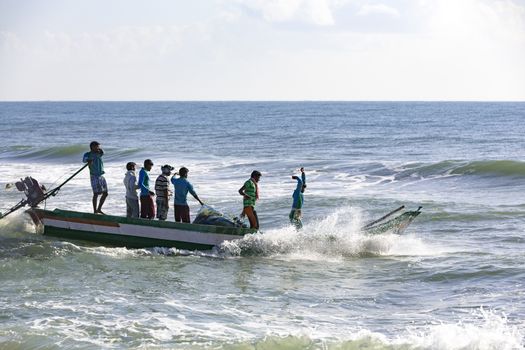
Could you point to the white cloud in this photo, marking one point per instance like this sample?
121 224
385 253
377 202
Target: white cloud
121 43
11 42
381 9
477 18
317 12
320 12
469 49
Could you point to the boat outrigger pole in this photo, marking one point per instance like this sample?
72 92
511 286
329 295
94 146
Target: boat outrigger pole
35 192
383 217
55 190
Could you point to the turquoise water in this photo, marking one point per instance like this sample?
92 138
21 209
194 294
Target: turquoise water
454 280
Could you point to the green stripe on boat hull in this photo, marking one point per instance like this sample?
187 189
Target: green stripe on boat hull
66 214
114 240
132 232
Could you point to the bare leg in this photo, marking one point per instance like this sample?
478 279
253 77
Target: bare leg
95 196
101 203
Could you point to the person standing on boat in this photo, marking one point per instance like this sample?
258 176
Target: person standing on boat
182 187
250 193
132 200
162 191
96 171
298 200
147 207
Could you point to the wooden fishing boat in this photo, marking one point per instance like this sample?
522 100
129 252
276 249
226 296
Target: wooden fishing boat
391 223
120 231
141 233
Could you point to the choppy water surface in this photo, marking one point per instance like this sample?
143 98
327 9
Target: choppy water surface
454 280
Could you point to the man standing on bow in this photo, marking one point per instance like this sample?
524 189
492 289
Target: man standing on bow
250 193
96 172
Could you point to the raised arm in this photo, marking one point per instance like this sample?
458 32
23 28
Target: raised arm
87 158
299 182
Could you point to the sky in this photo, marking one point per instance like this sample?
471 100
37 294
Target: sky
406 50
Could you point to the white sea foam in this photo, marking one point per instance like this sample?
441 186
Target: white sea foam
336 236
486 330
494 332
17 224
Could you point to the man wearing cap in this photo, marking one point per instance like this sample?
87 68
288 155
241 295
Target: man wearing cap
132 200
182 187
162 191
147 207
96 170
250 193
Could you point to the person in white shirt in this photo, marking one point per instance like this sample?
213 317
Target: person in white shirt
132 199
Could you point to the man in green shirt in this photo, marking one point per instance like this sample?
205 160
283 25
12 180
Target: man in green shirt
250 193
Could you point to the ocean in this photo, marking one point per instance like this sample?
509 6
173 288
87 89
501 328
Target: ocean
454 280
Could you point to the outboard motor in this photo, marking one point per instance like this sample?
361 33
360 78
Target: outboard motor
36 193
32 189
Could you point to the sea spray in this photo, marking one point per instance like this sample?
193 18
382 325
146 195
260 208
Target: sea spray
17 224
338 235
485 330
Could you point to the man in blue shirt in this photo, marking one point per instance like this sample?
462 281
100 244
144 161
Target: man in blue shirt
298 199
96 170
182 187
147 207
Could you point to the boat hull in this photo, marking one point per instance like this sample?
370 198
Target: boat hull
395 225
132 233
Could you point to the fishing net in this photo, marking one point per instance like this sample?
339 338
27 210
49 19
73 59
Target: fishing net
208 215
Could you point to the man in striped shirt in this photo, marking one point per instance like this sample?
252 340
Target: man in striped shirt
162 191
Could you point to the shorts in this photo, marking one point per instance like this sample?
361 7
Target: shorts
162 208
98 184
182 213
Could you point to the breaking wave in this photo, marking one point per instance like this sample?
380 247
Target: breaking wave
487 331
334 237
493 332
486 168
72 152
496 167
